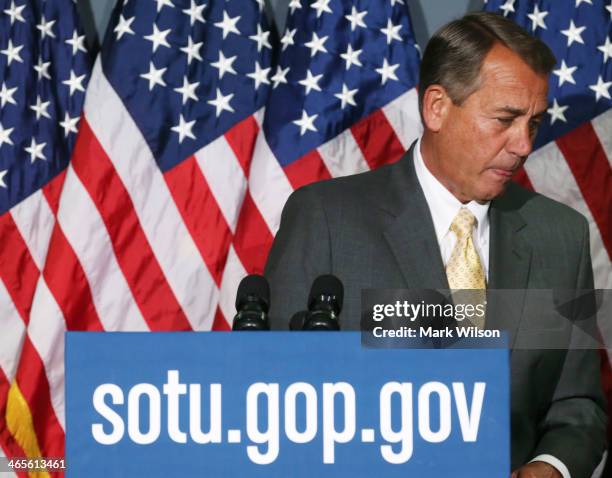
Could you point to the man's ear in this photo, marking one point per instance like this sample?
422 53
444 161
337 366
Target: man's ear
436 104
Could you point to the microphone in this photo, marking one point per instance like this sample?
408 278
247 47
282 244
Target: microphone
324 304
297 320
252 304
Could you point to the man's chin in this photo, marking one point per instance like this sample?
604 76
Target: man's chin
493 183
491 192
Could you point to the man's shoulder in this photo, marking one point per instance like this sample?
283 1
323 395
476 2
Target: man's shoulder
540 210
373 183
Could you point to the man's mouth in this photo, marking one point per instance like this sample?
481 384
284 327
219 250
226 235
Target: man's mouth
503 173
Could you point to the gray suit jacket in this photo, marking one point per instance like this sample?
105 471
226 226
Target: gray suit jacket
374 230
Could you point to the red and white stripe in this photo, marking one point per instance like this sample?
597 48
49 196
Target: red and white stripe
13 334
32 351
576 170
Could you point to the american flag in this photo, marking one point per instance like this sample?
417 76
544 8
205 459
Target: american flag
344 96
179 174
44 69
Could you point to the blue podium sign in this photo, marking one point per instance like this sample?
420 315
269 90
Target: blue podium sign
281 404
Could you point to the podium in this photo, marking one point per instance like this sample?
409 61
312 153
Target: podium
282 404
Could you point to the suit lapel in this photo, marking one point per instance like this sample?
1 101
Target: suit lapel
410 233
417 253
509 265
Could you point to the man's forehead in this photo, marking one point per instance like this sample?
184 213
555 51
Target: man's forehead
505 67
507 83
515 111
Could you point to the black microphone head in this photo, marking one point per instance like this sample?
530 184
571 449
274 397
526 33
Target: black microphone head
297 320
253 287
327 288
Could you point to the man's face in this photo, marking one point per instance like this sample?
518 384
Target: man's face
486 139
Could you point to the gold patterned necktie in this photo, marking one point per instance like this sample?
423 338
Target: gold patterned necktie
464 269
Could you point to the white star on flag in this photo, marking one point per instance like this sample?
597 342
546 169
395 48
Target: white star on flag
351 56
606 49
158 38
36 151
537 18
154 76
2 174
12 52
40 108
222 103
507 7
6 95
565 73
392 32
124 26
261 38
184 129
578 2
387 71
228 25
356 18
346 96
188 90
192 50
280 76
556 112
260 75
311 82
573 34
42 69
163 3
294 5
224 65
601 89
45 28
5 135
316 44
195 13
15 12
77 43
321 6
69 124
306 123
288 38
75 82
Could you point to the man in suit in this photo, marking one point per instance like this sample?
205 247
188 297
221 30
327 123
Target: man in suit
482 95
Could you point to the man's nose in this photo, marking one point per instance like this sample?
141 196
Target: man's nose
521 139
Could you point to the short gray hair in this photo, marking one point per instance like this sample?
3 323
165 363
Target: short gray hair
455 53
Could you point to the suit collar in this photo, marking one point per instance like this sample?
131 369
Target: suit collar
509 264
413 244
510 253
444 206
416 250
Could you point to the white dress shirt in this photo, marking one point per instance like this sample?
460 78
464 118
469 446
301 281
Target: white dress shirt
443 207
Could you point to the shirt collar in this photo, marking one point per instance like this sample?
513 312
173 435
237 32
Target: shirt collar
442 204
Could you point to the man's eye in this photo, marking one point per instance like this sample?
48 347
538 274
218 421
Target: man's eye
505 121
534 125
